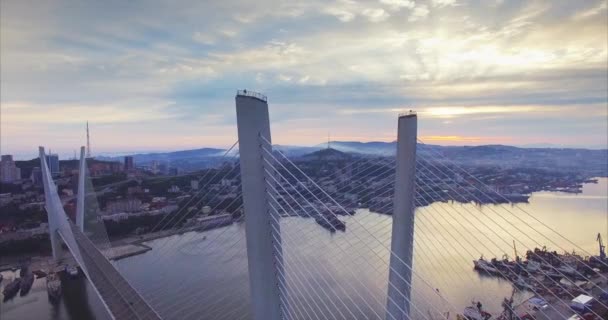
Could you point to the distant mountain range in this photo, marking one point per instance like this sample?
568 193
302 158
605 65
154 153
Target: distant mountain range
182 155
326 154
589 160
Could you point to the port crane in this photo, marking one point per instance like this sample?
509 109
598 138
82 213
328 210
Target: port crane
602 247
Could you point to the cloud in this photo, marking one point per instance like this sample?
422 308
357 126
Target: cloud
593 11
342 14
375 15
397 5
355 63
444 3
420 12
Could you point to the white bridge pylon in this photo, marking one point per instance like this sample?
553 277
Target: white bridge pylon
59 223
117 295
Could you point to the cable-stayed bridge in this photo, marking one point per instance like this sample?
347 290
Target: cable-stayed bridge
281 268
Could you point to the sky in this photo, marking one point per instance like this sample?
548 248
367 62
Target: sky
162 74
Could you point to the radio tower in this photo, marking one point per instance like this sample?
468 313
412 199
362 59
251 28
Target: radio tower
88 142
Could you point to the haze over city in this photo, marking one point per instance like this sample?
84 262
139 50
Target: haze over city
159 76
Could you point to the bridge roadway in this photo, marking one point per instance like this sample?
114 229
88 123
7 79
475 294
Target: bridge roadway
118 295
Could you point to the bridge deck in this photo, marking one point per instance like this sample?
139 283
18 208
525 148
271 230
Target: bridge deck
119 296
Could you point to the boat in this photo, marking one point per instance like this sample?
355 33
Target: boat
331 223
533 266
552 274
53 286
503 264
521 283
484 266
567 270
26 283
71 271
476 312
11 288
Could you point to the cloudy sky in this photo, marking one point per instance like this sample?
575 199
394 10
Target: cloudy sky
162 74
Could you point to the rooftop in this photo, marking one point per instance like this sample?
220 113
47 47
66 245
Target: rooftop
408 114
252 94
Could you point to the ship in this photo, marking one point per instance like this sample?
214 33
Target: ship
475 312
26 283
483 265
11 289
53 287
331 223
71 271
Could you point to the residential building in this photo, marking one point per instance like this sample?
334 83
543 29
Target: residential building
129 163
52 160
9 172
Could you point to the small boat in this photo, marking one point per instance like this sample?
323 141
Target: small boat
521 283
53 287
476 312
533 266
552 274
26 283
331 223
484 266
11 289
71 271
566 270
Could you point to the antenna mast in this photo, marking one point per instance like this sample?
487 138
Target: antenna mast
88 142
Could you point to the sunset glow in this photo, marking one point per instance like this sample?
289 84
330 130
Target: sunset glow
485 73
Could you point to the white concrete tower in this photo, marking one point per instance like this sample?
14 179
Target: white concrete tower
262 239
59 223
400 273
51 207
81 190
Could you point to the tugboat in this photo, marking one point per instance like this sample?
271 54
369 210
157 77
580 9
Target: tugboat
26 283
483 265
11 289
53 287
476 312
331 223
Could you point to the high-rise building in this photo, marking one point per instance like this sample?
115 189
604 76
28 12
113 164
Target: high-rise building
128 163
154 167
52 160
194 184
36 176
9 172
163 168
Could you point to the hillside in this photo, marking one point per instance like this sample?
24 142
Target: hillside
328 154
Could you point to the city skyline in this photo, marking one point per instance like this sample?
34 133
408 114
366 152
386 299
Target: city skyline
152 80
